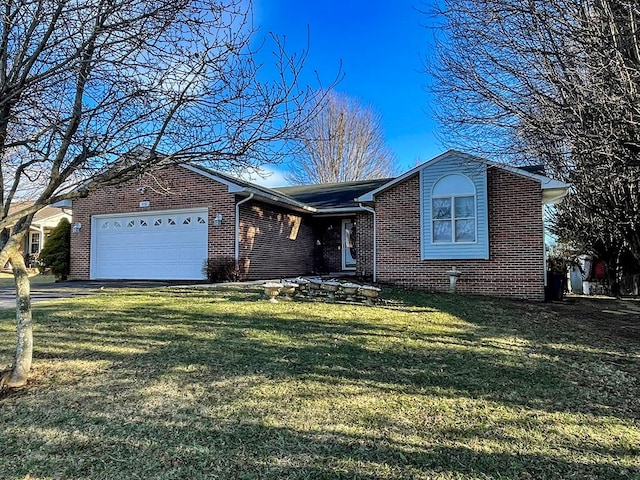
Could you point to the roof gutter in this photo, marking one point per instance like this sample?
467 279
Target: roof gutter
67 203
554 195
375 239
237 246
281 201
337 211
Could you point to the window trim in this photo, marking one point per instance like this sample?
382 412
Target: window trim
453 218
32 242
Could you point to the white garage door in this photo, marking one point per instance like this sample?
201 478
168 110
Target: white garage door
166 245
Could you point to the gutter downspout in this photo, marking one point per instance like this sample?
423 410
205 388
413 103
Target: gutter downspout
237 253
375 239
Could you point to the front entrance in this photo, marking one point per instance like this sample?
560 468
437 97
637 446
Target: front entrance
349 254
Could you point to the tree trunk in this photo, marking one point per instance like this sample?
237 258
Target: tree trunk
19 372
613 274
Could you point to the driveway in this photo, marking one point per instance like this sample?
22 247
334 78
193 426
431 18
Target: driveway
52 291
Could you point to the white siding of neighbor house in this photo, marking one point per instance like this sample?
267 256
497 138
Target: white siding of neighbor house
429 175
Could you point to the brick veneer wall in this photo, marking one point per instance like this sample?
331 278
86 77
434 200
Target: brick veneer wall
274 242
515 265
329 232
172 188
364 244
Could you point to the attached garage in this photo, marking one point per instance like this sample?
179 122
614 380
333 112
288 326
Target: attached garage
162 245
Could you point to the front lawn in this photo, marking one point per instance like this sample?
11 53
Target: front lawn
196 383
7 280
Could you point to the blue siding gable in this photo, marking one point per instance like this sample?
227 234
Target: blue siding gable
429 175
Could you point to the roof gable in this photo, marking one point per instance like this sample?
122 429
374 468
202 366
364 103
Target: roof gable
47 215
347 196
559 188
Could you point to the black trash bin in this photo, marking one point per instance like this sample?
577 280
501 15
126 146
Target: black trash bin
555 287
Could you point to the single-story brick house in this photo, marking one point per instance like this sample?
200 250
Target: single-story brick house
456 210
44 220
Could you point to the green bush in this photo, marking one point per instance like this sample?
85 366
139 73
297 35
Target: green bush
221 269
57 251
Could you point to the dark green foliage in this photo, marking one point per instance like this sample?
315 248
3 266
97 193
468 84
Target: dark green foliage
56 252
221 269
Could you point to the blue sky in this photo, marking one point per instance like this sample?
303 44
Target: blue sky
381 46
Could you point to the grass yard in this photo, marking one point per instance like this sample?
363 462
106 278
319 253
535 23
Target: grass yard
7 280
193 384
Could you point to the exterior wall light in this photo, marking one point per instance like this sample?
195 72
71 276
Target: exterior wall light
76 227
217 221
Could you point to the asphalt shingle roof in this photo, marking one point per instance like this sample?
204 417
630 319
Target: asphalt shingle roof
536 169
324 195
331 195
42 214
252 187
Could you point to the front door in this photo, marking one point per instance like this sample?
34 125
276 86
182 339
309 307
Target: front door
348 245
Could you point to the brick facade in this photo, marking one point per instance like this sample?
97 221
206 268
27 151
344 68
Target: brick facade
169 189
329 233
515 265
277 242
364 245
274 242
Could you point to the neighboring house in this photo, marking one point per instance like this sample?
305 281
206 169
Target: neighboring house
454 210
43 222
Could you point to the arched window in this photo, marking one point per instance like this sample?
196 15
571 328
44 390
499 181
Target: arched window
453 207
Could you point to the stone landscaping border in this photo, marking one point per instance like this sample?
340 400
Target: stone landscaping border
302 287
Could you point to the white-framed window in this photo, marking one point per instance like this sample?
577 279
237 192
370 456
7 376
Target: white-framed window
34 243
453 210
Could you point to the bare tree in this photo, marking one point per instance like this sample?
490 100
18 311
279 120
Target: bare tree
84 84
344 142
552 80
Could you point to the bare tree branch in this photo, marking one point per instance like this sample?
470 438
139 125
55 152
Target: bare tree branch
344 142
554 81
95 92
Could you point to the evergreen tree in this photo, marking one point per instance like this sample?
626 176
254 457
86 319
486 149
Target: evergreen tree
56 252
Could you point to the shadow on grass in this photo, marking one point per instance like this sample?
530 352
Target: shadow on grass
251 450
550 370
195 389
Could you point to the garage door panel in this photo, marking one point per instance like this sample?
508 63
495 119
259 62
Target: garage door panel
159 245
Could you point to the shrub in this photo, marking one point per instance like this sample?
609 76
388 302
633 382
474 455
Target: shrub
221 269
56 253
